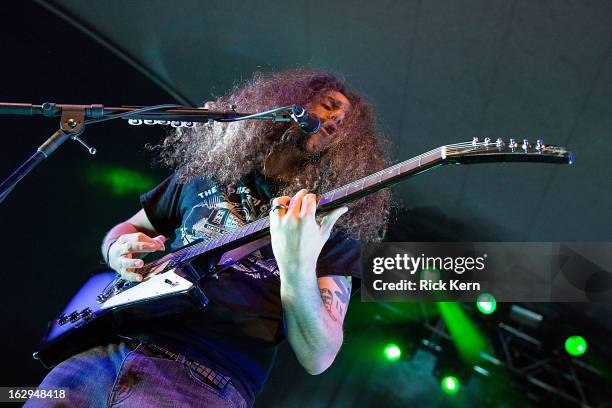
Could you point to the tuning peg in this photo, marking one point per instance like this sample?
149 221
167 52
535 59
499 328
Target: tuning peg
539 145
525 144
499 142
135 122
474 141
512 144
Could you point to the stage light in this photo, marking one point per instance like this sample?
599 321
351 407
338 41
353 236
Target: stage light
450 371
466 335
119 181
575 345
486 303
450 384
392 352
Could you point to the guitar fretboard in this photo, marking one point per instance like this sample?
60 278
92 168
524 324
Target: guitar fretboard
332 199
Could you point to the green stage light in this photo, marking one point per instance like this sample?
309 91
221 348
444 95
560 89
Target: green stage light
392 352
486 303
450 384
575 345
468 338
119 181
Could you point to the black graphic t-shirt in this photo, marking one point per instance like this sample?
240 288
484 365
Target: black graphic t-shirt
239 331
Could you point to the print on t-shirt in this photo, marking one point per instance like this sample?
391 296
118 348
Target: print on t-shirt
218 213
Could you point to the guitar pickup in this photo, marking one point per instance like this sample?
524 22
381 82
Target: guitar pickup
74 317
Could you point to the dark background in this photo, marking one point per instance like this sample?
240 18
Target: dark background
437 72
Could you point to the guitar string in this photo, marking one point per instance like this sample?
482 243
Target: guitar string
180 255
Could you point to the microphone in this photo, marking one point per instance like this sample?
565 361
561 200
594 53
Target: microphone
309 124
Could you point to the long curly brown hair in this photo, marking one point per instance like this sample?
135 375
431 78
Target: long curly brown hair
227 151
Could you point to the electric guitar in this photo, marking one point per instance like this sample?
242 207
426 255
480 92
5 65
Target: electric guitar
170 285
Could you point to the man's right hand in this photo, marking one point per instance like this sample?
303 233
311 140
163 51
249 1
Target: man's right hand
124 252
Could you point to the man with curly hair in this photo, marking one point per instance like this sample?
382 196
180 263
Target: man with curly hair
297 288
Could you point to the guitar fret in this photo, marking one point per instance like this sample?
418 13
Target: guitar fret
218 242
250 228
398 172
370 178
346 188
243 231
261 224
183 255
195 250
205 248
224 240
350 189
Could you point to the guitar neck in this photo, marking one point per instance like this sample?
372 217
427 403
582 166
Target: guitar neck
381 179
327 201
461 153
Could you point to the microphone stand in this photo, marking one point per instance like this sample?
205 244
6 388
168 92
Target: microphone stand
73 121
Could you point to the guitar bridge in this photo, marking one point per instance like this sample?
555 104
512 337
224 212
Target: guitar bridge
118 285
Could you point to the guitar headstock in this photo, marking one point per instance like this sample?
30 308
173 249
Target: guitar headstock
501 150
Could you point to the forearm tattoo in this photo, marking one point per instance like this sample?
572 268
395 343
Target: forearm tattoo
339 298
327 298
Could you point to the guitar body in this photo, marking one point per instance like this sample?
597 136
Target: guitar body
106 303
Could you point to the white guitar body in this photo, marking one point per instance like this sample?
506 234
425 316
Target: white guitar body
167 283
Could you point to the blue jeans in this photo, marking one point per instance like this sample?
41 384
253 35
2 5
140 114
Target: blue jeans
126 375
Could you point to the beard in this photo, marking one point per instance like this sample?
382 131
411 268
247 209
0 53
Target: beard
291 148
295 140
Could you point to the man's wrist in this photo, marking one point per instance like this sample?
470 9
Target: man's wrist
298 280
106 247
297 272
295 267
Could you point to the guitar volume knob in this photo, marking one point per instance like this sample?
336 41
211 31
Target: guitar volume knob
62 319
74 316
86 314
